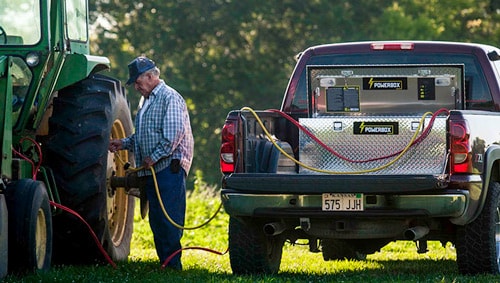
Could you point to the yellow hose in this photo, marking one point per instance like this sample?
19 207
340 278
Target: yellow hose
168 216
157 190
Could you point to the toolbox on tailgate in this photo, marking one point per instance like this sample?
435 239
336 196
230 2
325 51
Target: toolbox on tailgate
362 142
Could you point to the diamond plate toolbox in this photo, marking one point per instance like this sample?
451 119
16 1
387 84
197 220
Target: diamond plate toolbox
372 145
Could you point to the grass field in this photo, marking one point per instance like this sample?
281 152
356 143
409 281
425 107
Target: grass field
397 262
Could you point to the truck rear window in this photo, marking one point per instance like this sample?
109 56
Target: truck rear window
476 94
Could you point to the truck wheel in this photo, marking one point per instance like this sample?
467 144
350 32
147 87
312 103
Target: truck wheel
338 249
85 116
4 243
478 242
30 226
251 251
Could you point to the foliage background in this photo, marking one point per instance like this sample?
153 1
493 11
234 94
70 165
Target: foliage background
226 54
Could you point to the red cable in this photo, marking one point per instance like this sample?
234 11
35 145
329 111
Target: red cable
105 254
33 167
60 206
101 248
424 134
191 248
39 148
92 233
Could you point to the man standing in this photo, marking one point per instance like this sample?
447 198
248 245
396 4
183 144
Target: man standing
163 140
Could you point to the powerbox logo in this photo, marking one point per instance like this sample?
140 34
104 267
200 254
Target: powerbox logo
376 128
385 83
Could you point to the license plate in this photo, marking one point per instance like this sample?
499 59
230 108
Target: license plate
342 202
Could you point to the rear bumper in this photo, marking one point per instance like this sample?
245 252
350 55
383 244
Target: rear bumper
447 204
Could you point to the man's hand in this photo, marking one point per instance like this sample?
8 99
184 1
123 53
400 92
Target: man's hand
147 163
115 145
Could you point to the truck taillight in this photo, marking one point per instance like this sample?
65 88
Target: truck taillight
228 148
460 147
392 46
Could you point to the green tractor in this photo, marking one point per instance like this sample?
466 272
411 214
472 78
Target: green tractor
58 114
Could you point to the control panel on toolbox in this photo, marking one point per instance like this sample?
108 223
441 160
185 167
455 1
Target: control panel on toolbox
384 88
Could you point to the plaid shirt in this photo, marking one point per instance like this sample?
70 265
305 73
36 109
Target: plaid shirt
163 131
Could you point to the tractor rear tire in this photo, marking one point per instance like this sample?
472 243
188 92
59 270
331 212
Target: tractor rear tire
30 226
85 117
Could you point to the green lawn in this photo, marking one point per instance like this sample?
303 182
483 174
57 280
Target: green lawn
397 262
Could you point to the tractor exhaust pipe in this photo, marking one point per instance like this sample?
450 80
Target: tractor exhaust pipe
416 232
274 228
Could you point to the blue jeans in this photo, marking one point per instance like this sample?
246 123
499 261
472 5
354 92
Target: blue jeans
167 237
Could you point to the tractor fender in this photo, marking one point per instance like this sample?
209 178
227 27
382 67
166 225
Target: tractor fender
77 67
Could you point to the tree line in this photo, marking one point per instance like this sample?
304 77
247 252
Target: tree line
226 54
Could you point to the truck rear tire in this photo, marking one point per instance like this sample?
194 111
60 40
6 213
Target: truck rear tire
4 243
251 251
85 116
478 242
30 226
